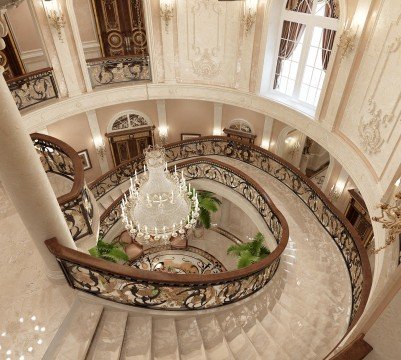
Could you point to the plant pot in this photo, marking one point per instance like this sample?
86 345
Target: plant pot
198 232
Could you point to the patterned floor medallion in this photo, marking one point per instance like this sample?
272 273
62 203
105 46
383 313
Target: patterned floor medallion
189 261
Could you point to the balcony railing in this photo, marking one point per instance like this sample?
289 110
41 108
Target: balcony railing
166 291
118 69
59 158
333 221
33 88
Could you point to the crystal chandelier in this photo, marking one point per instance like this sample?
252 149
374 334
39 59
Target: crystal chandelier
160 206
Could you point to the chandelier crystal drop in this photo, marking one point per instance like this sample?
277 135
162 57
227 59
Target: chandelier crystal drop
160 206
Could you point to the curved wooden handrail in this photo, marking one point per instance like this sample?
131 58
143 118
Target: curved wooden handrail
79 180
117 58
28 75
166 278
366 270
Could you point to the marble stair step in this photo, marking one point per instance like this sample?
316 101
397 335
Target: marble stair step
258 337
310 305
311 316
164 339
288 326
214 342
108 339
309 338
240 345
106 201
137 344
74 336
190 340
115 194
279 335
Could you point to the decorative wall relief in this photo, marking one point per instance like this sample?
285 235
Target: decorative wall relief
395 45
370 130
207 45
205 67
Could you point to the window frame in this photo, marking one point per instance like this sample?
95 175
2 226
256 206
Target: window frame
310 21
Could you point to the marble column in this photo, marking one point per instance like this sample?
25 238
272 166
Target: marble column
267 132
26 183
217 118
162 118
98 139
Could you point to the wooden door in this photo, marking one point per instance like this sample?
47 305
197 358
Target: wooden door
122 151
142 144
121 27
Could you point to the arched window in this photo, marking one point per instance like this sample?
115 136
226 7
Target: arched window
128 120
308 29
241 125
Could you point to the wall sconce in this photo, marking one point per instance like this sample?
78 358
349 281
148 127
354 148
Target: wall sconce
334 193
217 131
347 41
55 16
390 219
100 146
249 16
163 134
166 12
293 145
265 144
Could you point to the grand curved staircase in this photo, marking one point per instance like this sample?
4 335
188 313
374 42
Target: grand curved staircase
303 312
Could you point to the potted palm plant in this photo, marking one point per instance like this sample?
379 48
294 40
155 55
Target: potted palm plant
110 252
208 203
250 252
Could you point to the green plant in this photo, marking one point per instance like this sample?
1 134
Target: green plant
208 203
250 252
110 252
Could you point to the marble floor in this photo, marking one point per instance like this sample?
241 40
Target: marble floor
31 306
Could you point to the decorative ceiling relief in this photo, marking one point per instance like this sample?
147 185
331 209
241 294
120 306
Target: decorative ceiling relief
370 129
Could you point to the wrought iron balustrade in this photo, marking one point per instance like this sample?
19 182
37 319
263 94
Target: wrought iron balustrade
165 291
33 88
335 223
59 158
121 69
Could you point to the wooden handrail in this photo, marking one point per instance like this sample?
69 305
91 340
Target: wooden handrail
86 260
111 58
27 75
366 271
79 179
356 350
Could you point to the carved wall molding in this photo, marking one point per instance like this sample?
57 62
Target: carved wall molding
370 129
205 67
